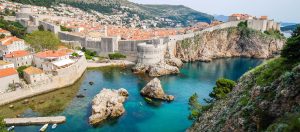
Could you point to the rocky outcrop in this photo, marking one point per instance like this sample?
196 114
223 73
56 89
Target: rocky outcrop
108 104
256 104
156 70
154 90
228 42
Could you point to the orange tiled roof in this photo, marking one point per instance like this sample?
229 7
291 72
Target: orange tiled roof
7 72
3 31
33 70
15 54
9 40
50 53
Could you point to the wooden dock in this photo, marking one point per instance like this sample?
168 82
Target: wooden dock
35 120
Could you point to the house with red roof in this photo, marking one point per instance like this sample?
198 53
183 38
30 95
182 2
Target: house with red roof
43 59
8 77
19 58
5 32
10 44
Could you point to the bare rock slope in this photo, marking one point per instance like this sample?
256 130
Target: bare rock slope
228 42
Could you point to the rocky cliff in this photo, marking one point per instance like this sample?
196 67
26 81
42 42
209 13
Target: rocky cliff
266 98
228 42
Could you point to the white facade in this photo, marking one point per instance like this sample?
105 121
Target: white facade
14 45
33 75
20 61
4 65
7 80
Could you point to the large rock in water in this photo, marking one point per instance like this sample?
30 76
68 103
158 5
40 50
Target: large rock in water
154 90
108 104
156 70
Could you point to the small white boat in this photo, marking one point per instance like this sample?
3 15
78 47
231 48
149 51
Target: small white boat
44 128
54 126
11 128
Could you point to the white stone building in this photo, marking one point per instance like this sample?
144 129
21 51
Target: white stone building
4 64
33 75
19 58
10 44
42 59
8 77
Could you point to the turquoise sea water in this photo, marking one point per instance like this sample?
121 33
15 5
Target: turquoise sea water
196 77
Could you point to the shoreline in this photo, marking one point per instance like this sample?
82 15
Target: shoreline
10 97
111 63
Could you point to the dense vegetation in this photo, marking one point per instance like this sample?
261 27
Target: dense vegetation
222 88
116 56
41 40
15 28
291 50
2 125
88 53
220 91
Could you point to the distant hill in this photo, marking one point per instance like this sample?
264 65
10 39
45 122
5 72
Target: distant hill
290 27
178 13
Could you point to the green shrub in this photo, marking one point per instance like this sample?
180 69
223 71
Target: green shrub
63 28
40 40
271 70
196 108
115 56
75 54
243 24
275 33
222 88
2 125
41 28
21 70
291 51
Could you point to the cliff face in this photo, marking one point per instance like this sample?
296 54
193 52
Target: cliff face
265 98
228 42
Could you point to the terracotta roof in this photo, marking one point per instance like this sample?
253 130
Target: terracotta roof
9 40
15 54
3 31
7 72
2 63
50 54
33 70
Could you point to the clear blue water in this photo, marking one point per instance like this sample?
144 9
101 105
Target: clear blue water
196 77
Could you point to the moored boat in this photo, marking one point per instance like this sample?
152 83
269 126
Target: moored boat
44 128
54 126
11 128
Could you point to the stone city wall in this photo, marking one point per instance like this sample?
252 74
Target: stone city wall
62 78
50 26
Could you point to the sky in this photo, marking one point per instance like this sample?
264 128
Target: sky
279 10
